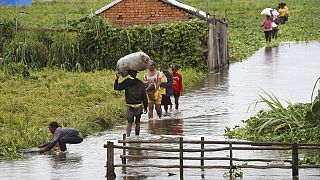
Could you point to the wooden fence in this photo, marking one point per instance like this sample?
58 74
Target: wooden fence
218 56
230 146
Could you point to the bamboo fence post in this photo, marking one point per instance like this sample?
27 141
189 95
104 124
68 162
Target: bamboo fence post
231 156
124 160
211 62
295 160
217 45
110 161
181 157
202 152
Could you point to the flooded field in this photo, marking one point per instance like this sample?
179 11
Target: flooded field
289 71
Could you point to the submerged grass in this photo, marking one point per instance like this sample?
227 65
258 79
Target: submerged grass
278 123
85 101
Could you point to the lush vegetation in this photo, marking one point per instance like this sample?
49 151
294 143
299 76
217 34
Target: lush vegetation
82 100
294 123
174 43
98 45
246 35
85 101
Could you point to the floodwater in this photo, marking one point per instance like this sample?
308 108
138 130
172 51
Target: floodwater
289 71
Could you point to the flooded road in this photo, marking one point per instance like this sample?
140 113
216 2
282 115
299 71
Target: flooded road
289 71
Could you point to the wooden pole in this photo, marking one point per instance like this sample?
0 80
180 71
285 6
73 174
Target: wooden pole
231 162
202 152
124 160
295 160
207 10
181 157
110 161
211 58
217 43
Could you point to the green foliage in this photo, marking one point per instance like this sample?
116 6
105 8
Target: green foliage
177 42
7 34
85 101
246 35
99 45
278 123
235 173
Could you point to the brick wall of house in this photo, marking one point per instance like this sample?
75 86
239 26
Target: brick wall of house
139 12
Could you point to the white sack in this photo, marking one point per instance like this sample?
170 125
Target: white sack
135 61
266 12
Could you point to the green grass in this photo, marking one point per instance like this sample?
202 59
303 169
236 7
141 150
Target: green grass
52 14
85 101
245 34
279 122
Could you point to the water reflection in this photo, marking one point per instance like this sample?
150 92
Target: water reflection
65 160
167 126
271 55
289 71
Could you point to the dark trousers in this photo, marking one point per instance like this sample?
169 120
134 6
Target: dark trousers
69 140
267 35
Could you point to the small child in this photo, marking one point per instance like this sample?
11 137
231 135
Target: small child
176 86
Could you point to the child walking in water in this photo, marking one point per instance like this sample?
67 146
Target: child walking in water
166 101
267 27
177 86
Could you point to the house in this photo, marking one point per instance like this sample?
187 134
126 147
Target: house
140 12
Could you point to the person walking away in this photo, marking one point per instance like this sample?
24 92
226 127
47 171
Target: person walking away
152 80
177 86
136 99
283 14
286 16
62 136
167 85
267 27
275 27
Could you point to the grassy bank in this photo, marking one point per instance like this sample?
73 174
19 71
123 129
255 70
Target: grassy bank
85 101
245 34
280 123
295 123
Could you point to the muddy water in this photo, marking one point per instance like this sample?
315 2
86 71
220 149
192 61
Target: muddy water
289 71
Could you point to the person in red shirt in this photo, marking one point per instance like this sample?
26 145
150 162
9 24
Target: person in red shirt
177 86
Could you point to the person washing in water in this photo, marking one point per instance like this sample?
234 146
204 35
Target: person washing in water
61 136
136 99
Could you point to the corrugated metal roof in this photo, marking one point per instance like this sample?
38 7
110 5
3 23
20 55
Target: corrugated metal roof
107 6
187 8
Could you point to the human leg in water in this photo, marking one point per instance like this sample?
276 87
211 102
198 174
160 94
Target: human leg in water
150 110
129 127
159 110
176 101
137 129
